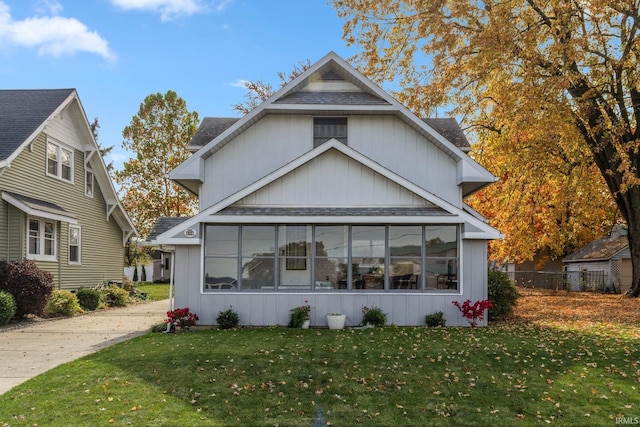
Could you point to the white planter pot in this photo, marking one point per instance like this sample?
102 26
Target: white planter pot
336 322
305 324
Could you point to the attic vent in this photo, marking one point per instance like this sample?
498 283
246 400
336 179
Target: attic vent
331 75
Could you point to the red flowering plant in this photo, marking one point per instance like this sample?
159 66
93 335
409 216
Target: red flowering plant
182 318
473 312
299 315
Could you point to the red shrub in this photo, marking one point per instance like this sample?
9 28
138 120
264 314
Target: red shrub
30 286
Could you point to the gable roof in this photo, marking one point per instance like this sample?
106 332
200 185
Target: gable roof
602 249
354 94
22 112
25 113
444 211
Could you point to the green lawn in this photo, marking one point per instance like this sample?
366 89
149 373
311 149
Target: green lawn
154 291
503 375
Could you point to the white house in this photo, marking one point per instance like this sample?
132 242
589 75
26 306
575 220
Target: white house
329 192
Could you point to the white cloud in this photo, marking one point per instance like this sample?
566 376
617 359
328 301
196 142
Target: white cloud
239 83
47 7
172 9
51 35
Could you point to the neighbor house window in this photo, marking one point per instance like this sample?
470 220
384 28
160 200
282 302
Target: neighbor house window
41 240
59 161
326 128
74 245
88 183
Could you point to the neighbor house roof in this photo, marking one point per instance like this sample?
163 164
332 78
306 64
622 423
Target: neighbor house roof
601 249
22 112
165 223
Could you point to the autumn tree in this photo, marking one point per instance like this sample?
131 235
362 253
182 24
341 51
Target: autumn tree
569 67
259 91
157 137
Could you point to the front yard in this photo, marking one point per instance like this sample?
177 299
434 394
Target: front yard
568 359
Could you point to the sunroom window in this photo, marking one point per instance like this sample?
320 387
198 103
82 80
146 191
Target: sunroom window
357 258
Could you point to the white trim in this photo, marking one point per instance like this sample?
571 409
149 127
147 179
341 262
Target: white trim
60 147
41 239
79 245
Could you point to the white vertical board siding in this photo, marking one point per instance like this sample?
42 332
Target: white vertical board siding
397 147
333 179
266 146
273 308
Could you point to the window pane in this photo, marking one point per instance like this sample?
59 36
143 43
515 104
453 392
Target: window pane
52 159
34 233
221 240
73 236
89 183
441 240
405 241
294 248
330 273
74 254
258 240
404 273
442 273
368 241
258 261
66 163
332 241
220 274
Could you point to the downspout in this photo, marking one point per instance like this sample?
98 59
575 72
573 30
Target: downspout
171 273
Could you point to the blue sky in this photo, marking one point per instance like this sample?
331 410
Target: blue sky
116 52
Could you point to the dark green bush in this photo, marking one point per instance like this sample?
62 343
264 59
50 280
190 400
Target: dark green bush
62 303
373 316
89 299
228 319
435 319
135 273
30 286
7 307
502 294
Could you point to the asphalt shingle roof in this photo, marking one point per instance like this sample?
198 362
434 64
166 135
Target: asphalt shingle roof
22 111
323 211
211 127
604 248
338 98
165 223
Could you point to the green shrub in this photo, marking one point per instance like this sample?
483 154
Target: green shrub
89 299
127 284
62 303
114 296
373 316
228 319
30 286
502 294
143 274
7 307
135 273
435 319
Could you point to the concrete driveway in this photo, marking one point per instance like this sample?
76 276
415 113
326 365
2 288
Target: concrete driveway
31 350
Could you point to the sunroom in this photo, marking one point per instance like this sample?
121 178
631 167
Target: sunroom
331 257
